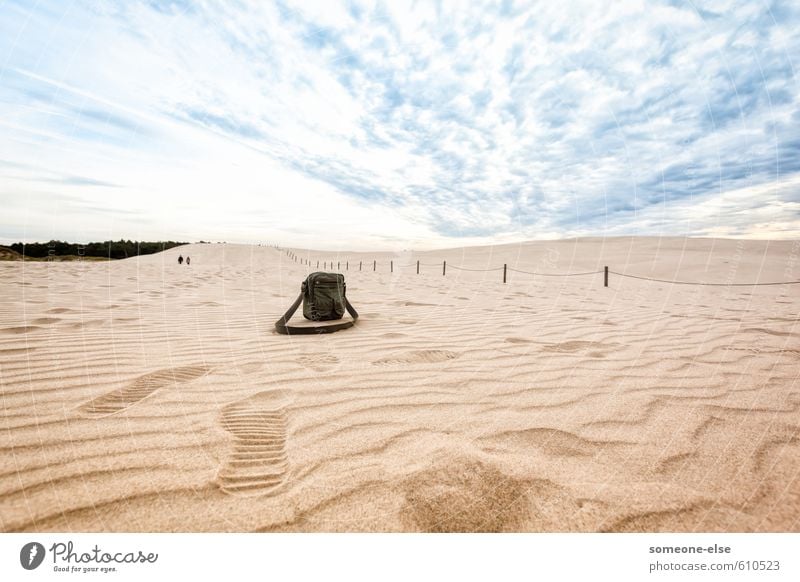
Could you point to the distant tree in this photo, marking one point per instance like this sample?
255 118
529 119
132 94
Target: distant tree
110 249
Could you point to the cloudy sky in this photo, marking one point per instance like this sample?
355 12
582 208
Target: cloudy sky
394 124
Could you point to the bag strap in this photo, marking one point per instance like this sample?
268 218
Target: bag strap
281 326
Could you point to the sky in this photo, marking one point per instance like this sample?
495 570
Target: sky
387 125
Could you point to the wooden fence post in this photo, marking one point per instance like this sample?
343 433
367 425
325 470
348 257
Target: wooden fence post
605 282
417 267
391 266
444 267
359 265
505 268
347 266
374 265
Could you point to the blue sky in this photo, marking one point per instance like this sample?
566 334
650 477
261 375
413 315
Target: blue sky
394 124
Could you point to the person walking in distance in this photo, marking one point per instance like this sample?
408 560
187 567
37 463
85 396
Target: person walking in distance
188 260
180 259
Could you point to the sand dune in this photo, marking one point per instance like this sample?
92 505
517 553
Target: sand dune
140 395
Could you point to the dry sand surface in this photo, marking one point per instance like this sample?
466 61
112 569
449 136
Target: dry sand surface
143 396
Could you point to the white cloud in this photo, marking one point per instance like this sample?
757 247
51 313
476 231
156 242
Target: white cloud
422 121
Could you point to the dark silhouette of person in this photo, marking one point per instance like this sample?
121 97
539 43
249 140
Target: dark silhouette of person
180 259
188 260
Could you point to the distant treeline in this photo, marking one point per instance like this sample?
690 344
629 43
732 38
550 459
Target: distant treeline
109 249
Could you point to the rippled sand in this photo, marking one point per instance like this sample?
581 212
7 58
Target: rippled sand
140 395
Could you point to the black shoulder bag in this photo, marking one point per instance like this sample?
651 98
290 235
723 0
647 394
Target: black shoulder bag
324 299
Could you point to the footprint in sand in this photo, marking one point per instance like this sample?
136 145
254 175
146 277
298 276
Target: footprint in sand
417 357
45 320
768 331
141 388
257 463
15 351
549 440
318 362
20 329
466 495
250 367
87 324
578 346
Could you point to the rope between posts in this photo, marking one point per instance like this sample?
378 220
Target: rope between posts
475 270
705 284
555 274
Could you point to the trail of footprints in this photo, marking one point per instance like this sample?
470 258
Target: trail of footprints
257 463
141 388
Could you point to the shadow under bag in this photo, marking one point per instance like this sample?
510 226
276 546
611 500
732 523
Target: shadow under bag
324 299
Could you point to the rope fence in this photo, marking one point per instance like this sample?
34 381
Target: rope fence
505 268
702 283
